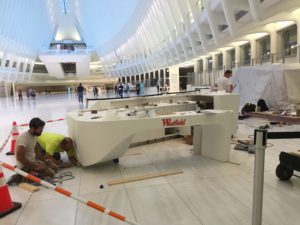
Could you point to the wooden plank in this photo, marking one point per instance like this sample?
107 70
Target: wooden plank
296 153
134 153
273 117
29 187
144 177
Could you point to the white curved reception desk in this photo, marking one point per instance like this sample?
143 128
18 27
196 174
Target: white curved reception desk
219 100
107 135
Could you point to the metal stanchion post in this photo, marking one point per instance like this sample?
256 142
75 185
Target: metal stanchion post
260 141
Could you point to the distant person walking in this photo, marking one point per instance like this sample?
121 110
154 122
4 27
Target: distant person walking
158 86
28 94
32 94
120 90
80 91
20 94
95 91
138 88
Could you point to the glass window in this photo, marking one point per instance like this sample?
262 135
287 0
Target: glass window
220 61
265 49
231 54
246 56
290 41
209 66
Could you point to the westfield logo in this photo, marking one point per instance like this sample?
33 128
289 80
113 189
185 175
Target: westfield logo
169 122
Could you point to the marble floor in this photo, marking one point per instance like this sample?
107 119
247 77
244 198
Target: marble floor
208 192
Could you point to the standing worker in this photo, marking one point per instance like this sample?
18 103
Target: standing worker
225 83
80 90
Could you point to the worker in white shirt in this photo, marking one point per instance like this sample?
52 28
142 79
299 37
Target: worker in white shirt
225 83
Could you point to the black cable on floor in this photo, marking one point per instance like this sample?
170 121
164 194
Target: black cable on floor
63 177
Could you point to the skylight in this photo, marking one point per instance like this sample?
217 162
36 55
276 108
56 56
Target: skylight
65 5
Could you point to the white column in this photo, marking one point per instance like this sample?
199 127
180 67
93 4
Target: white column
214 68
6 84
18 64
164 77
237 56
253 51
31 67
298 38
205 71
275 48
197 72
4 58
225 59
174 78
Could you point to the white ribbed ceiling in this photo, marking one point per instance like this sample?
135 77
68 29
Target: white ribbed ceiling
100 20
135 36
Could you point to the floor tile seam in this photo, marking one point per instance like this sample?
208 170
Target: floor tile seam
206 178
221 175
182 200
231 194
77 202
100 192
212 179
48 199
186 204
230 175
279 190
148 185
130 201
194 167
23 208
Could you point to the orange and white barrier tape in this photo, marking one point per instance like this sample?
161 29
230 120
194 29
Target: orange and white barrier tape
69 194
5 142
48 121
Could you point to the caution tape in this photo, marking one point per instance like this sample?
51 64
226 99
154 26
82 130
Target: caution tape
65 192
5 142
48 121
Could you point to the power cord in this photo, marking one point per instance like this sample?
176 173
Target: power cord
63 177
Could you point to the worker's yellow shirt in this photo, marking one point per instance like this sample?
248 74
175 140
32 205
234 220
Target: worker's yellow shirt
50 142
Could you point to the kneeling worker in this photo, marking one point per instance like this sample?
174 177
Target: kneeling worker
51 145
26 151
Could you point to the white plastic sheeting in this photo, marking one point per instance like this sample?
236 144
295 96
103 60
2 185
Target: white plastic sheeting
269 82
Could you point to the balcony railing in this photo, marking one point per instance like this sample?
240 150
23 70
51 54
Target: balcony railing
267 58
81 51
7 70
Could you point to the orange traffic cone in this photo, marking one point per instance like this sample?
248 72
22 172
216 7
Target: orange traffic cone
14 136
6 205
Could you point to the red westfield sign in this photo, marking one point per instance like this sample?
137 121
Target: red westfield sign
169 122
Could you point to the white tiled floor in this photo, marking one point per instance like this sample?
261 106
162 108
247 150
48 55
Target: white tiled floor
207 193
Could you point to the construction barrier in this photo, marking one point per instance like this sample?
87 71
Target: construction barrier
6 205
69 194
5 142
14 136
